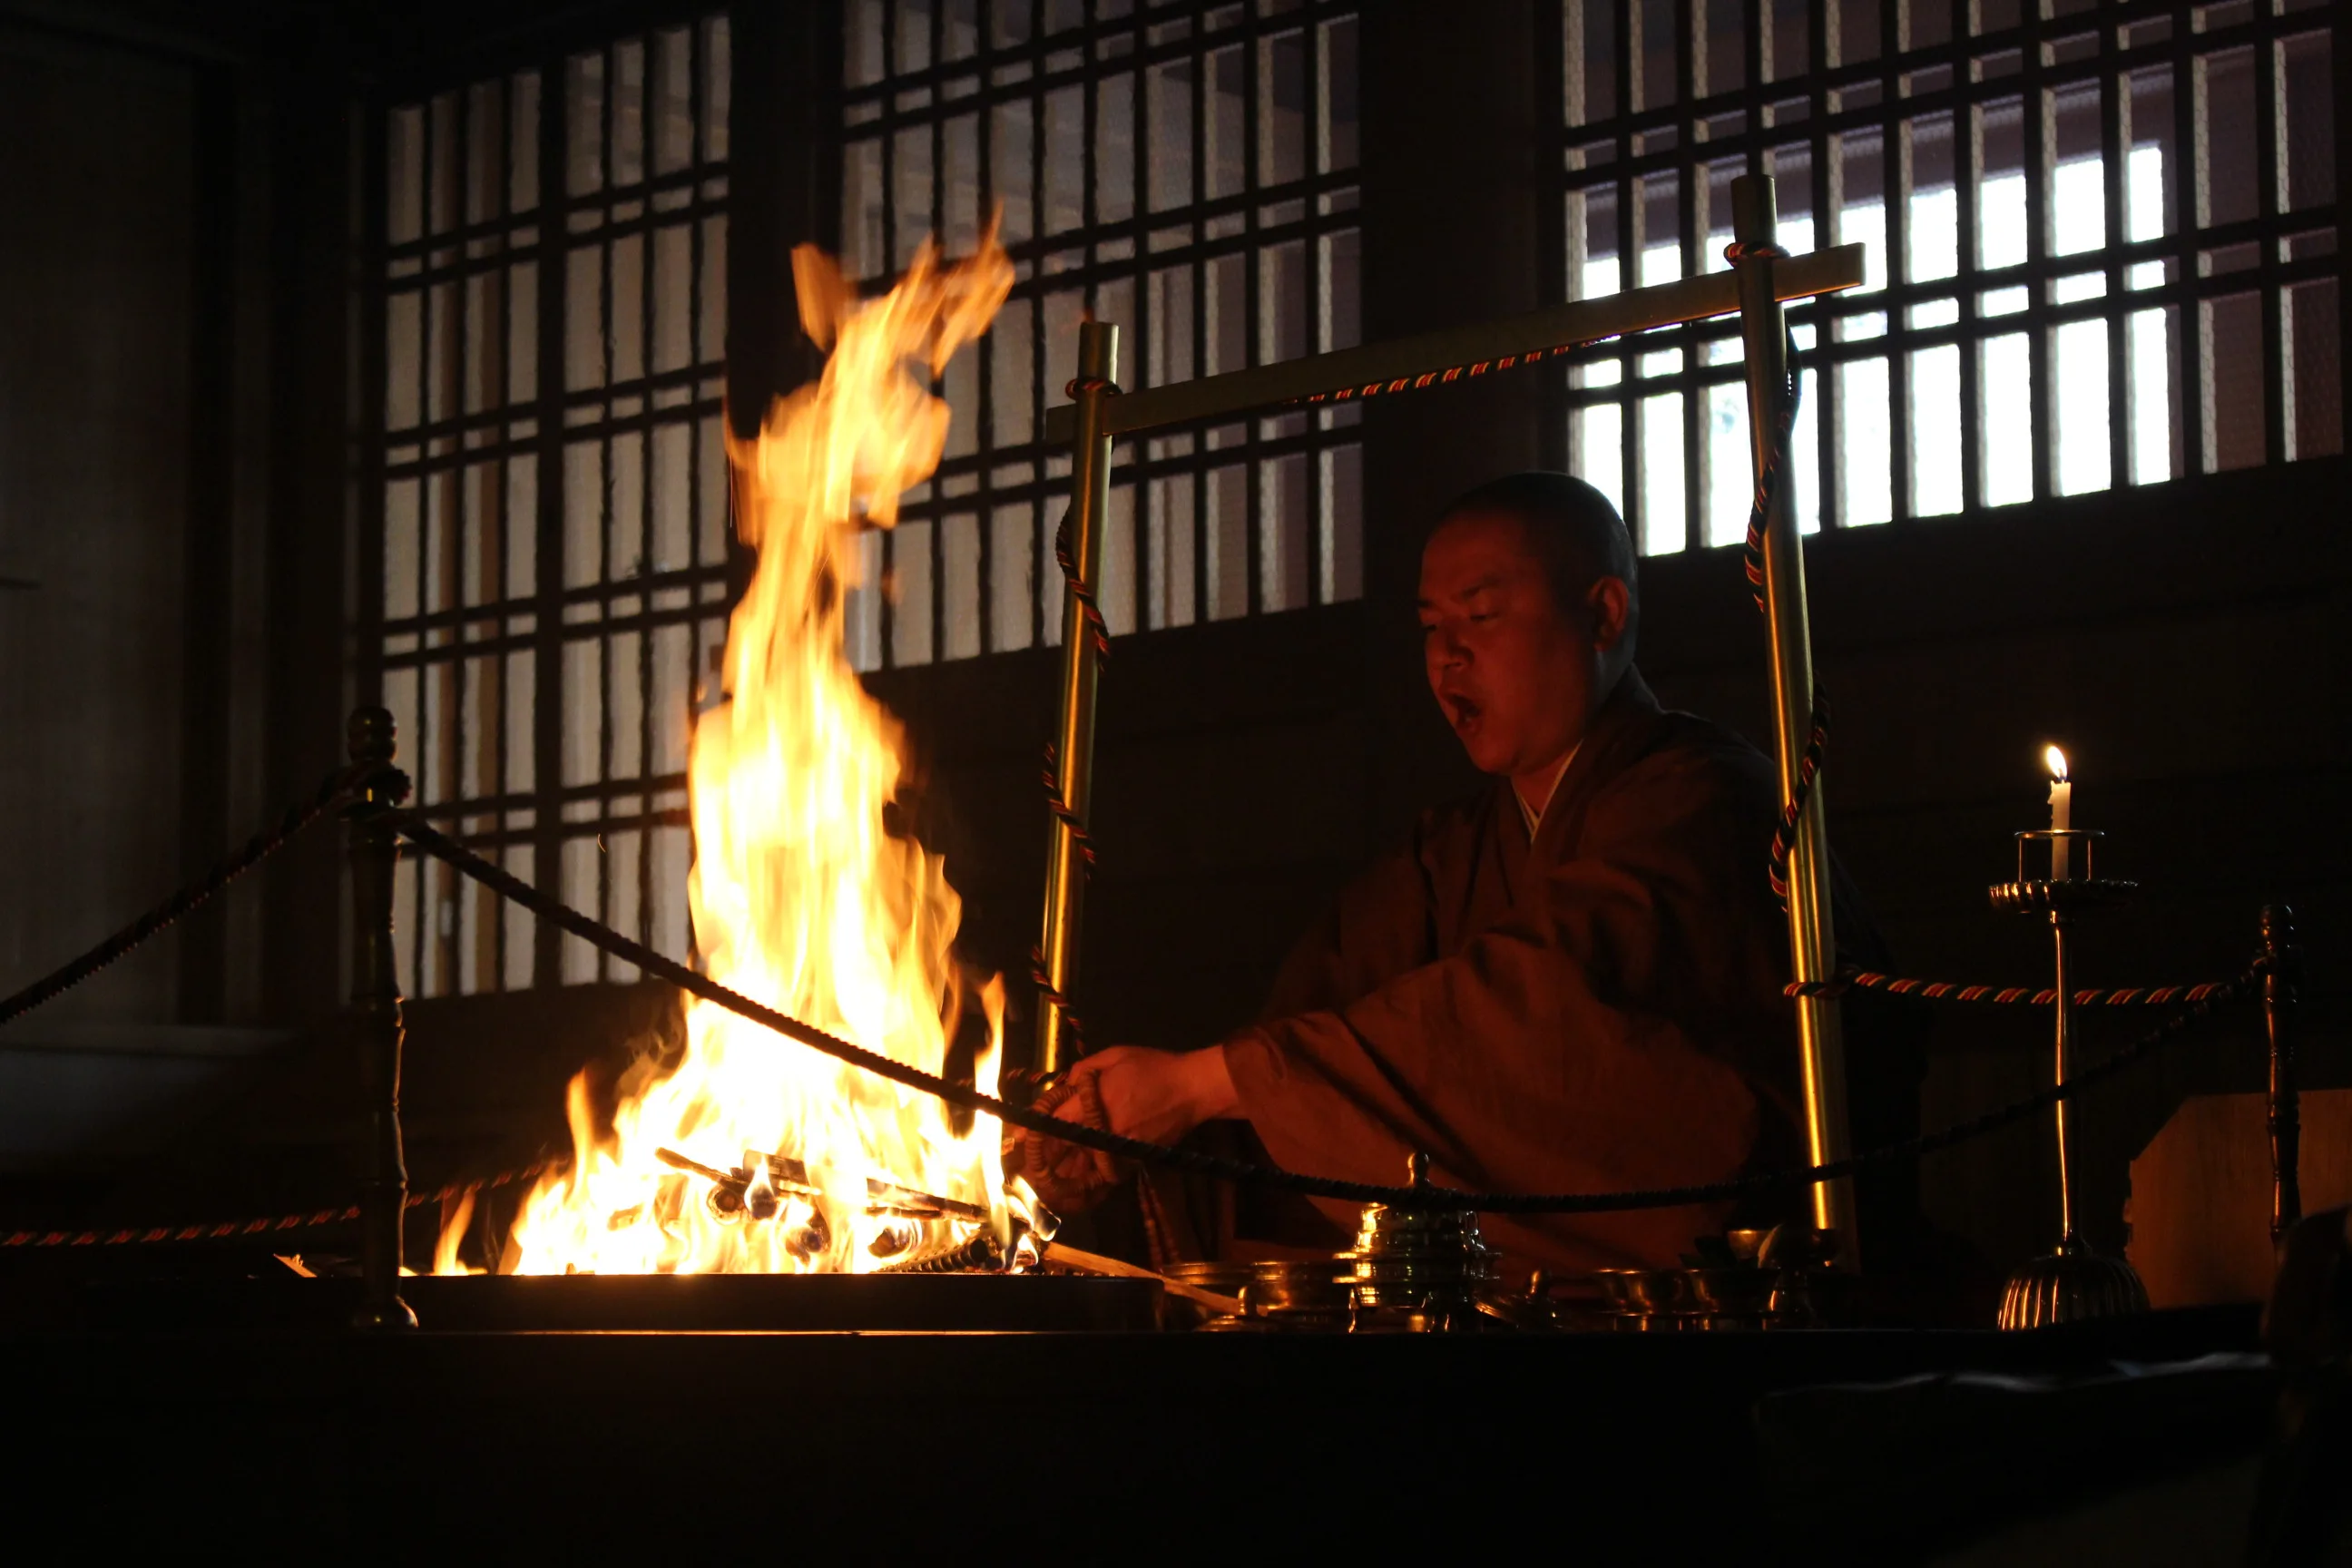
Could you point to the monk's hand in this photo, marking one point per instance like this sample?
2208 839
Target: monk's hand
1156 1096
1069 1177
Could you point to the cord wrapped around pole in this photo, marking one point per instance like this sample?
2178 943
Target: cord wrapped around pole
1070 762
1802 726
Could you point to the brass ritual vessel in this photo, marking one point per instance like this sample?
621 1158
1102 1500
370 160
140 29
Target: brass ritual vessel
1743 1281
1412 1270
1296 1295
2073 1284
1417 1268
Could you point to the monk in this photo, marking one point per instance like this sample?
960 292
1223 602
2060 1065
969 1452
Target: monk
1570 981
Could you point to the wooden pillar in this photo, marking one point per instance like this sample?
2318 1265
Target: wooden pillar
1452 234
783 142
313 416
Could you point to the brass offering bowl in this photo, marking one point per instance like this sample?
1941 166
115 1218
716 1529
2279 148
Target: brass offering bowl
1309 1293
1739 1294
1224 1277
1748 1279
1644 1293
1316 1286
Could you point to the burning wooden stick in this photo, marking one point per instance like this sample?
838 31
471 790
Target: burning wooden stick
893 1196
789 1175
1094 1263
678 1161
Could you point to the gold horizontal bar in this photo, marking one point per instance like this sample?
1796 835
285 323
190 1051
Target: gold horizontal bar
1458 353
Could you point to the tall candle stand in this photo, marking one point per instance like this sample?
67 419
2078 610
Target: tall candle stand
2073 1283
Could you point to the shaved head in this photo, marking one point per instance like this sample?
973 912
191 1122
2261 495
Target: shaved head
1572 530
1527 621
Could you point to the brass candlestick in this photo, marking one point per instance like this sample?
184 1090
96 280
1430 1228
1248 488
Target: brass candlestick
2073 1283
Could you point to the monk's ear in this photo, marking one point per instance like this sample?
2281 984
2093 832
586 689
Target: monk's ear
1611 604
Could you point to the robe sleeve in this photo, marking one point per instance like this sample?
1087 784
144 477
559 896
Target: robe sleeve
1614 1037
1381 925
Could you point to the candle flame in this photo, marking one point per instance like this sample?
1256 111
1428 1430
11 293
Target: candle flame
2056 760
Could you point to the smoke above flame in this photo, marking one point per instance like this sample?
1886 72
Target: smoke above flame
801 896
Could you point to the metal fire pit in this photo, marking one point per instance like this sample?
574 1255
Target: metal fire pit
774 1303
792 1303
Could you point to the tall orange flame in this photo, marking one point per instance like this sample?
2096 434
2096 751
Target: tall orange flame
801 896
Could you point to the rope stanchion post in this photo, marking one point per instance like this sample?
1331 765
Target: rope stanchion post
375 1018
2282 964
1070 773
1812 940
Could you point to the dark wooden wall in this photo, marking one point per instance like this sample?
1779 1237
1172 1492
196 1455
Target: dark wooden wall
149 488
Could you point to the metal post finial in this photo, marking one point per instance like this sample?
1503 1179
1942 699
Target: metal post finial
374 742
1755 208
372 737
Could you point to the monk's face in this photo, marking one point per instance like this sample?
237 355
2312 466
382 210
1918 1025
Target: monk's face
1518 675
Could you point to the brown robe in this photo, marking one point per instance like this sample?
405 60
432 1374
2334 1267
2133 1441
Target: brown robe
1598 1010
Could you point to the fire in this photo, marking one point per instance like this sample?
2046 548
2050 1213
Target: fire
455 1218
2055 761
799 895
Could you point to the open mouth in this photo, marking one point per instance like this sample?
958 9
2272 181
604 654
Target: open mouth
1460 710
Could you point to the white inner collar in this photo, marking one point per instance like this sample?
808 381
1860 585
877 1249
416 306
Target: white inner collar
1533 814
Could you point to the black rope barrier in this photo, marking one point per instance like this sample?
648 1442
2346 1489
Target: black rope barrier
1200 1162
259 847
2197 1002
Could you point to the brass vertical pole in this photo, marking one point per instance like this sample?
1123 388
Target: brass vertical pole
1074 736
2065 1010
2281 961
1812 943
375 1015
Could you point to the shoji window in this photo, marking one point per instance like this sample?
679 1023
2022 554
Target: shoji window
544 579
2101 245
1187 171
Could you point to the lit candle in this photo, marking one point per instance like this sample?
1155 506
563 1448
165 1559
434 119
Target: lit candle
2062 813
